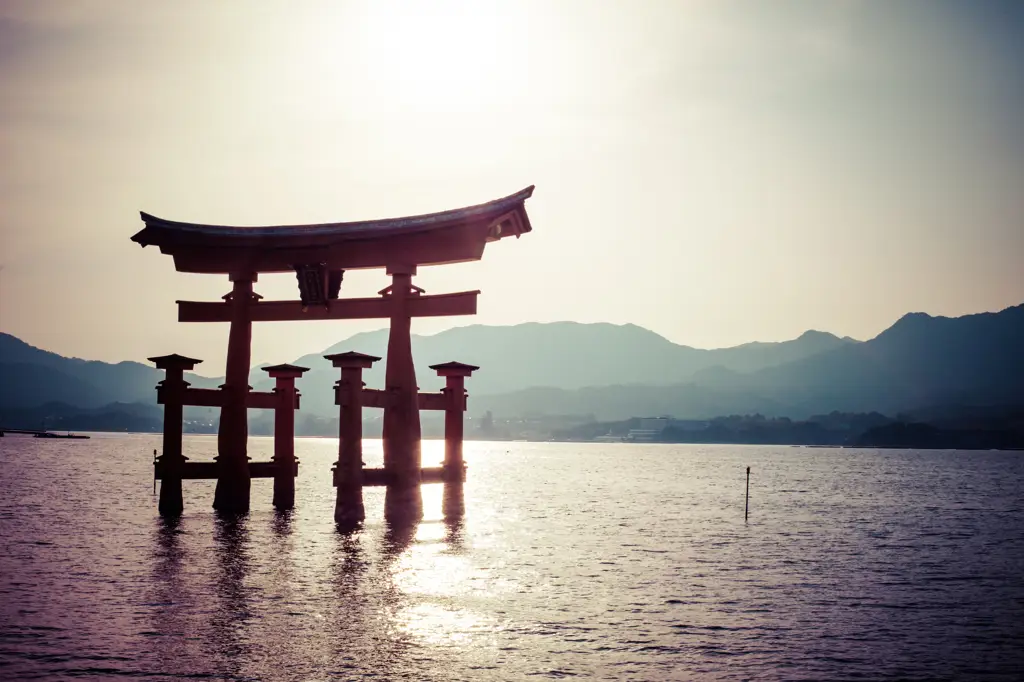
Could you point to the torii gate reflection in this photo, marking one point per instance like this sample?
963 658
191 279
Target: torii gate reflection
319 255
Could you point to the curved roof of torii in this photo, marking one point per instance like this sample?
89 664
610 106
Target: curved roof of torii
451 236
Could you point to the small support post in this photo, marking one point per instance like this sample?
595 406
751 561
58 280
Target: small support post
171 394
455 374
285 463
348 471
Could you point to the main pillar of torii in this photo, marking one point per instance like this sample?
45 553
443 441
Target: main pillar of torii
233 481
401 429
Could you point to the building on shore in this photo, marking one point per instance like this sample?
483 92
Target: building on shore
650 429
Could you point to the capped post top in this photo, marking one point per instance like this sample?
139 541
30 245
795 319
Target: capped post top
352 359
285 371
454 369
174 361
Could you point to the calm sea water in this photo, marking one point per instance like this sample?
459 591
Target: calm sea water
592 560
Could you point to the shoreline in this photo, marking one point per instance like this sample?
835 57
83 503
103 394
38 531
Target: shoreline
594 442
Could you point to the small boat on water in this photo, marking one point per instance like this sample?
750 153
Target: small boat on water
47 434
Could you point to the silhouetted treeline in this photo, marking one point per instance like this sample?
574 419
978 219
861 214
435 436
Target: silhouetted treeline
952 428
946 427
926 436
56 416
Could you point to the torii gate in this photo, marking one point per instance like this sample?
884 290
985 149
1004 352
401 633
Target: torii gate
319 255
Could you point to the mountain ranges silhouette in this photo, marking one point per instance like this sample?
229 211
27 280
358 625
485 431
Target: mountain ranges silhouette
612 372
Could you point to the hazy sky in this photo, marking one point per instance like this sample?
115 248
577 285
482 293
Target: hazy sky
719 172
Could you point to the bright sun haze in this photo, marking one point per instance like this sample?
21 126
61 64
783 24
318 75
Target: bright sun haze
717 172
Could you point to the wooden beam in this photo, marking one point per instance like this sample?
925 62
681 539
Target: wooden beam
209 470
454 244
374 397
381 477
263 400
214 397
204 397
433 401
440 305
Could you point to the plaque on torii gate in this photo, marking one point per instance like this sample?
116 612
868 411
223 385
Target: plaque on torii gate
319 255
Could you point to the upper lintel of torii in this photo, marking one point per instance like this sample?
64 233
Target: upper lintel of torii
452 236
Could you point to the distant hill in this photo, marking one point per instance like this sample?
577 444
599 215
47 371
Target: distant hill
919 362
60 416
619 371
30 376
565 355
26 385
561 355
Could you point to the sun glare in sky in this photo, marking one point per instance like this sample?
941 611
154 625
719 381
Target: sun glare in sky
757 157
449 57
437 56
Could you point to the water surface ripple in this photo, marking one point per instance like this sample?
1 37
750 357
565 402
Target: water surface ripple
602 561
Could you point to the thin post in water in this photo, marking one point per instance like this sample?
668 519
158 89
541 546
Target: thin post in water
154 472
746 503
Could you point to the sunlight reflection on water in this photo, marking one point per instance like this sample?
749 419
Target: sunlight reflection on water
608 561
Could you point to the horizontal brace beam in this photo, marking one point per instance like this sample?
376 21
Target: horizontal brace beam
439 305
374 397
433 401
265 400
215 397
204 397
210 470
377 398
381 477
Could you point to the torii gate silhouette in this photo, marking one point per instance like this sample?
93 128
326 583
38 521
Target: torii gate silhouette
319 255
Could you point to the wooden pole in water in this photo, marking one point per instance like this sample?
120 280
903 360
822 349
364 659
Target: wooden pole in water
455 374
171 394
746 503
284 432
154 472
348 471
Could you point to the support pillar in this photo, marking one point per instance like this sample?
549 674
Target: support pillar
233 482
401 434
348 471
455 374
171 394
285 463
